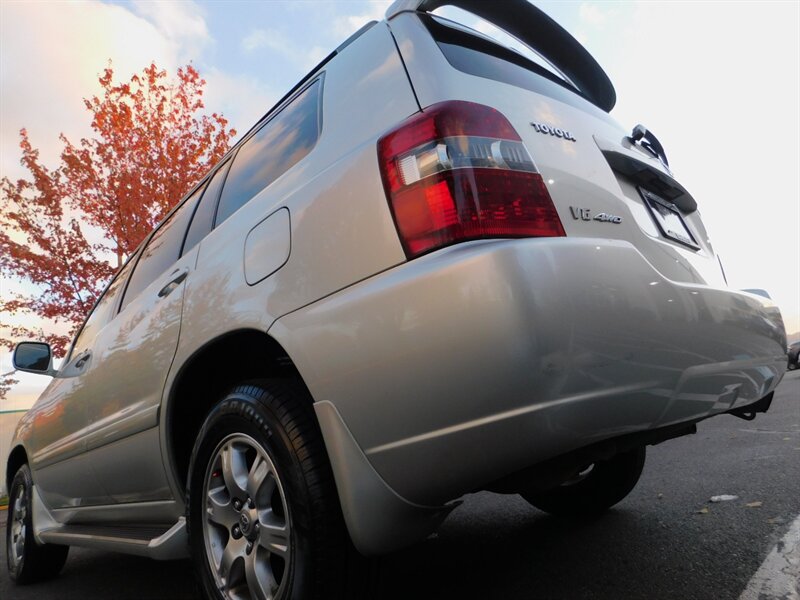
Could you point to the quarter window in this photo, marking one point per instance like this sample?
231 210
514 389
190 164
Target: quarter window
275 148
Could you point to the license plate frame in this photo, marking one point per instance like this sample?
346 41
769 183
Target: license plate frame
668 219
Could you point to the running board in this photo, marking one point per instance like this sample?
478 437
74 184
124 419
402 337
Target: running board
159 543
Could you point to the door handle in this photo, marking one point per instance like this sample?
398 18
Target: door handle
173 283
83 359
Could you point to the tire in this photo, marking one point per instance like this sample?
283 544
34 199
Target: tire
595 491
262 441
28 561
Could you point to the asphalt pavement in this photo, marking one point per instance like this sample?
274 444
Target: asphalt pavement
665 541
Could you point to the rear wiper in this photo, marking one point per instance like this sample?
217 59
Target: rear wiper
644 138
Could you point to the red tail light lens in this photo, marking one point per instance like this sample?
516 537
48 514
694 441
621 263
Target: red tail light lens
459 171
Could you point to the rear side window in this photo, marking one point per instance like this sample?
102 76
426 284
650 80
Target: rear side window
161 251
276 147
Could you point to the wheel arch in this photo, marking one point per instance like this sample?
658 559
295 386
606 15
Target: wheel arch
16 458
204 377
365 498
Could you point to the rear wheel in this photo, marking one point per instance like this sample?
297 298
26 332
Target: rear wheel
264 516
594 489
28 561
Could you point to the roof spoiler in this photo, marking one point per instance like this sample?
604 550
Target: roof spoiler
535 29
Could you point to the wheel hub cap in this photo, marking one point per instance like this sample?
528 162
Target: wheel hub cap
247 523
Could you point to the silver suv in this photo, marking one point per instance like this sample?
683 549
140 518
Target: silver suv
437 266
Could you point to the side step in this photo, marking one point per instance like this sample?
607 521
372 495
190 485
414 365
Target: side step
160 543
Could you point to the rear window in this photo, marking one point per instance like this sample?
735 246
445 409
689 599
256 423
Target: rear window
481 57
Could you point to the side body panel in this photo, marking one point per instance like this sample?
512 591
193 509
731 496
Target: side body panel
58 424
60 420
135 350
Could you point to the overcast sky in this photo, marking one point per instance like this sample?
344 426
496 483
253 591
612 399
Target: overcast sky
719 83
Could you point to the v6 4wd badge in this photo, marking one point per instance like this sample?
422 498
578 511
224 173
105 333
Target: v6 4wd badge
584 214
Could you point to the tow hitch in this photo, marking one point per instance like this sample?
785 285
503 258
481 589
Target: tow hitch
749 412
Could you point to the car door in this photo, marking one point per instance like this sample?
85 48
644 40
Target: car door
133 355
61 416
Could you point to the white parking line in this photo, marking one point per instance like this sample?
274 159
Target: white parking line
778 578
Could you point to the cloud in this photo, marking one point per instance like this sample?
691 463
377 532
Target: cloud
346 25
43 83
243 99
722 97
50 58
183 24
592 14
262 38
593 18
298 53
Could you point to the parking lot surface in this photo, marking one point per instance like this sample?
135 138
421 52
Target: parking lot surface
665 541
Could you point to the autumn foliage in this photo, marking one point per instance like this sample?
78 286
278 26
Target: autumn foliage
65 231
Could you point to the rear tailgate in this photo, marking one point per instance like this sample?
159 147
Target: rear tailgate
603 185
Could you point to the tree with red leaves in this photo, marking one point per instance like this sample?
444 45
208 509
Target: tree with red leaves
64 232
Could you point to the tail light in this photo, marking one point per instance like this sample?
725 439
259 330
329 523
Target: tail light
459 171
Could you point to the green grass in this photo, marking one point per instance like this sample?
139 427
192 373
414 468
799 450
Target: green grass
3 500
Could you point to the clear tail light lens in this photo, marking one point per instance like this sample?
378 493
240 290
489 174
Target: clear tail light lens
459 171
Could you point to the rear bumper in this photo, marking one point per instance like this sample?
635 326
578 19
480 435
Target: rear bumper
465 365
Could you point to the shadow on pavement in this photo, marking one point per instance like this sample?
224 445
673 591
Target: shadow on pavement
545 554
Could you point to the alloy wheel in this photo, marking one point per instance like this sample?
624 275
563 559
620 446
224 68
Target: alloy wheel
19 513
246 522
